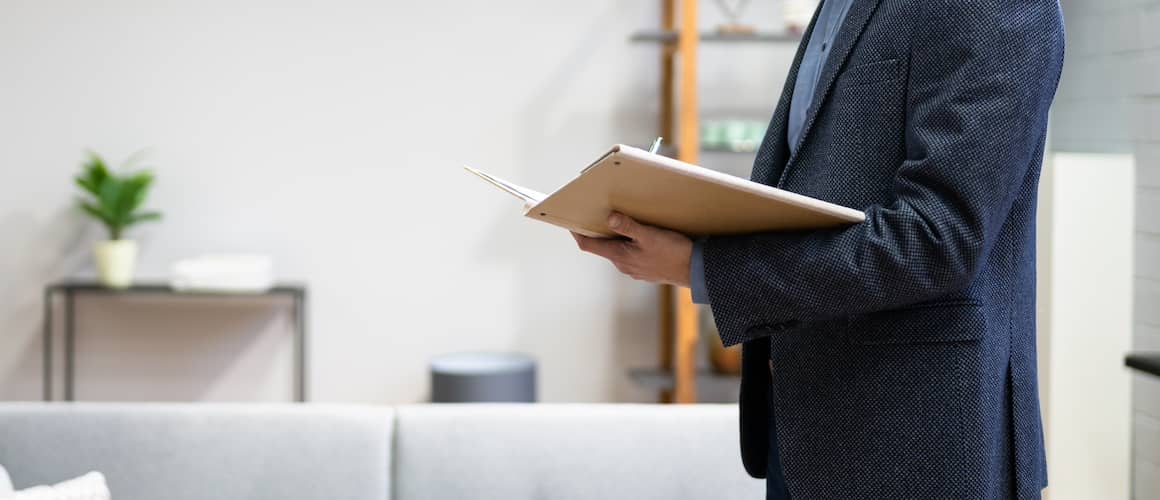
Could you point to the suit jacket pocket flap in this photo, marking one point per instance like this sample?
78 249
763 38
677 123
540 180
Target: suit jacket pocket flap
926 323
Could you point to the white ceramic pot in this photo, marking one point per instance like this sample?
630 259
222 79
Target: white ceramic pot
116 260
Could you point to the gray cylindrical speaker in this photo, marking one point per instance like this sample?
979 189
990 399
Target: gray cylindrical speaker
482 377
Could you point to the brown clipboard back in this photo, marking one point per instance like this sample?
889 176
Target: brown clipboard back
668 193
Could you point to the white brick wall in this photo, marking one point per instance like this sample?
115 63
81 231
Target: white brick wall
1146 436
1109 101
1148 206
1146 338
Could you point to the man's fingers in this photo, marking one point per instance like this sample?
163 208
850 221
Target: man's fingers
649 254
616 251
627 226
609 249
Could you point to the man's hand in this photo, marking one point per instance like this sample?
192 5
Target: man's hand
652 254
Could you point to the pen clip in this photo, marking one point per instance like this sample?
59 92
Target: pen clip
656 145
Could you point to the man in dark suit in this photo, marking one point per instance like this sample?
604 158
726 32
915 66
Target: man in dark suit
894 358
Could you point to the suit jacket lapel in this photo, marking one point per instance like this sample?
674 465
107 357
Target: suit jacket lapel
774 150
852 28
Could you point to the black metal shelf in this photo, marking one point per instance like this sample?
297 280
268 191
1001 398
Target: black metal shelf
729 151
662 380
158 287
71 289
1145 362
669 37
671 151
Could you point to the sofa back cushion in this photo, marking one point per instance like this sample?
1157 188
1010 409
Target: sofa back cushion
562 452
180 451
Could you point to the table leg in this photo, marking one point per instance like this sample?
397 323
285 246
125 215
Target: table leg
47 344
69 344
300 346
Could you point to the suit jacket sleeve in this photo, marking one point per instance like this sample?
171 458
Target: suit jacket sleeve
982 77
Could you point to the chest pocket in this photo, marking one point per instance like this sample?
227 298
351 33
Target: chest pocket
865 74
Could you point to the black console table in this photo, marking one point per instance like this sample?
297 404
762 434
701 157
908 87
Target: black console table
1147 362
70 289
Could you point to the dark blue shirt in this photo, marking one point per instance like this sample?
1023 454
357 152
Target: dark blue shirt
817 51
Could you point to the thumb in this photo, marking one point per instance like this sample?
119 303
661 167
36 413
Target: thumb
626 226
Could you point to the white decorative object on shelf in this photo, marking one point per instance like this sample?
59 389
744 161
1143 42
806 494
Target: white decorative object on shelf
732 11
798 13
224 274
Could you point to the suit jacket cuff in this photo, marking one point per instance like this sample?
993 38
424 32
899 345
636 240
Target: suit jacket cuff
697 273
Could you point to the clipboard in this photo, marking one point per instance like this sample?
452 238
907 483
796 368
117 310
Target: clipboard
664 192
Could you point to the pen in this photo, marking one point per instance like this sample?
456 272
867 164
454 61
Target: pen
656 145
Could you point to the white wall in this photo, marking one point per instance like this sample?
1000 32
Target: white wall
1109 101
330 135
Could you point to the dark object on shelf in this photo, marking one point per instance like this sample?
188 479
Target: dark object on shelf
71 289
483 378
1146 362
661 36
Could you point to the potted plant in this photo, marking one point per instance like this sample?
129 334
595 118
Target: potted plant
115 201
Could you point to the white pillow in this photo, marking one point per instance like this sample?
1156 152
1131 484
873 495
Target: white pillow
5 482
90 486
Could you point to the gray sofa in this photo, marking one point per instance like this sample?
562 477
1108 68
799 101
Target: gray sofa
429 452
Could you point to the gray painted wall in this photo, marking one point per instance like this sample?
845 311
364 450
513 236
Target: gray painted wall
1109 101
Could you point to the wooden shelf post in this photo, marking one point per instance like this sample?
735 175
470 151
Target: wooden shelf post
679 124
665 292
688 150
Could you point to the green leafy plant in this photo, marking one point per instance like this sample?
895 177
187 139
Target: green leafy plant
114 199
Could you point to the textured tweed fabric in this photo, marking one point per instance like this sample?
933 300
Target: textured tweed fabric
903 347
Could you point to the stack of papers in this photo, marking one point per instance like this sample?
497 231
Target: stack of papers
672 194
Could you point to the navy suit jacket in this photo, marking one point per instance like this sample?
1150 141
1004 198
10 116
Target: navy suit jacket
903 348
